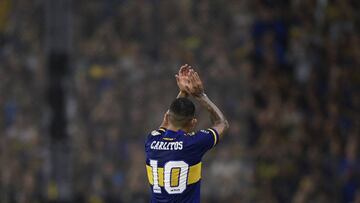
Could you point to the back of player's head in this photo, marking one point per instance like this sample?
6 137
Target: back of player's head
182 110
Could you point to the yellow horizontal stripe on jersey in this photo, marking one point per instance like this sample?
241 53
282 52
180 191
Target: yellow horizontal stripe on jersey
149 174
194 174
214 134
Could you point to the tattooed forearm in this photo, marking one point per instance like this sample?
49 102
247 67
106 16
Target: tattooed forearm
216 116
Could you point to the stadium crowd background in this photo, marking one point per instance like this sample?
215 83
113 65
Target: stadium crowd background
286 74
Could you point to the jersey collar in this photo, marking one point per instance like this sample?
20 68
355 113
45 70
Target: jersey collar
171 133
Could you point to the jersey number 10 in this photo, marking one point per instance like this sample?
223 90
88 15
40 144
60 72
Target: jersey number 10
175 176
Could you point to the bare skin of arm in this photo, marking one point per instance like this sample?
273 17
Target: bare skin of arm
219 122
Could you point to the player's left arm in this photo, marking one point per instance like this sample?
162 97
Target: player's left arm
182 82
219 123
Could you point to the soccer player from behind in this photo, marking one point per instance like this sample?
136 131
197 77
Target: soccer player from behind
174 151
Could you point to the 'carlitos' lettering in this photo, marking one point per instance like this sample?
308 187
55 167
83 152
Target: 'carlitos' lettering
159 145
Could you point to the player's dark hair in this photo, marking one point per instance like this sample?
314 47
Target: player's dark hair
182 110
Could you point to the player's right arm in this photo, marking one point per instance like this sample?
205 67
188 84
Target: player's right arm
219 122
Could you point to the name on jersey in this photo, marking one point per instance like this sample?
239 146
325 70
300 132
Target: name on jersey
159 145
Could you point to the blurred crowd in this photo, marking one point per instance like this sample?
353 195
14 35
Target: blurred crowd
286 74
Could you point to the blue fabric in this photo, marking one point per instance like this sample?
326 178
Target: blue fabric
194 146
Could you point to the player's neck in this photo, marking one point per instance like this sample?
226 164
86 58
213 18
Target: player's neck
174 128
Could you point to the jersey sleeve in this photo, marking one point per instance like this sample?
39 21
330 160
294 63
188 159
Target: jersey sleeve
157 132
206 139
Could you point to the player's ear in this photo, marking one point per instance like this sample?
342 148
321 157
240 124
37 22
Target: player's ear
167 117
193 122
165 122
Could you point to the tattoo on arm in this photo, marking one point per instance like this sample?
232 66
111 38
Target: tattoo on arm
217 117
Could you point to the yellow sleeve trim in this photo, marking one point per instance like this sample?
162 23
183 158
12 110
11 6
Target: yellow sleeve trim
194 174
162 129
214 134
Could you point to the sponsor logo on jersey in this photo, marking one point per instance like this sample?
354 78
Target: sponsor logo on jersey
168 138
155 133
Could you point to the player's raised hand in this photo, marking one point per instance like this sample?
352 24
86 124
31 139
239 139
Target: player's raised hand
195 86
182 78
184 70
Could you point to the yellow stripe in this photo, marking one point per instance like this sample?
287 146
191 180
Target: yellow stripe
214 133
175 175
168 138
149 174
162 129
161 176
194 173
193 176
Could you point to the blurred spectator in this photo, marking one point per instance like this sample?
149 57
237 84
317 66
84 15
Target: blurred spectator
285 72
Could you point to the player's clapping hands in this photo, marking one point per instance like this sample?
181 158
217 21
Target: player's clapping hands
182 78
189 81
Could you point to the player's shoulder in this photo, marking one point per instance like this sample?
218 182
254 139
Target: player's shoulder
208 135
204 133
208 131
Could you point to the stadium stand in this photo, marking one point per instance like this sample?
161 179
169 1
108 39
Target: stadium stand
286 74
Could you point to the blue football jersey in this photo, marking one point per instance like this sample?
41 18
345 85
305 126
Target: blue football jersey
173 163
